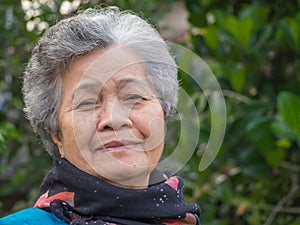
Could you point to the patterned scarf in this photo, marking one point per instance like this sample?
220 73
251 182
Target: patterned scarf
81 199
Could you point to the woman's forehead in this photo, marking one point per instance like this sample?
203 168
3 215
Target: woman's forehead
100 66
110 59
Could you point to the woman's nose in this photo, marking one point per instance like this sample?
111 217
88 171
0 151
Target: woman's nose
112 116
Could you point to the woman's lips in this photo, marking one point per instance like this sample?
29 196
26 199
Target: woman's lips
113 144
118 145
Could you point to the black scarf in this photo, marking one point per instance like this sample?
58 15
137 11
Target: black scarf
79 199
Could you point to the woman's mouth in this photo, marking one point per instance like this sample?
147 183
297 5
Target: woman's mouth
113 144
118 146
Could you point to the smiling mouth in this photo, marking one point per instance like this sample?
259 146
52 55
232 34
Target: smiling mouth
117 146
113 144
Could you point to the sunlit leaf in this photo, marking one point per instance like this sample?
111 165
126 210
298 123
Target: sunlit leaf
211 37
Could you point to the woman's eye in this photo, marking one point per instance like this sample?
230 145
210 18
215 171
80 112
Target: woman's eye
133 98
86 103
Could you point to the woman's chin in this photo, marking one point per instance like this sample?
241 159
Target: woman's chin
121 167
125 175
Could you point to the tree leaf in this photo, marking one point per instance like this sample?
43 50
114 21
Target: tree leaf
288 106
211 37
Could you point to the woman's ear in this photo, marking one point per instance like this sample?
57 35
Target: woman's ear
58 141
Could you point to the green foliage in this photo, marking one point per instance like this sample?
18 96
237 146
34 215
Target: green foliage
287 125
8 133
252 47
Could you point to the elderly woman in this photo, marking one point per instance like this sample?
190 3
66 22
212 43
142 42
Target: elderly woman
98 90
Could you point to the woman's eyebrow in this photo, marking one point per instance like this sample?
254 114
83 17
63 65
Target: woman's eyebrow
92 87
84 87
134 83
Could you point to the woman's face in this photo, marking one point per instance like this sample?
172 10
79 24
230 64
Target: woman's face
111 123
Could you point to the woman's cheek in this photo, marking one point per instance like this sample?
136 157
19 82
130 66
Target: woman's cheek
151 125
82 128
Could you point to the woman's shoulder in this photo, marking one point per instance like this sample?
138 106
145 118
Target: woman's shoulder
31 216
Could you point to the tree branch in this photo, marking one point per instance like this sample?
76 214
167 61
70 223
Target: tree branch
294 189
290 166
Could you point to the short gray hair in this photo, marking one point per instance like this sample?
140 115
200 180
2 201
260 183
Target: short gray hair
78 35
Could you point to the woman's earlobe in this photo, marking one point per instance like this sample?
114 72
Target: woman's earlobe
58 141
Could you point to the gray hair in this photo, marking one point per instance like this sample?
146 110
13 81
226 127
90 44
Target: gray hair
78 35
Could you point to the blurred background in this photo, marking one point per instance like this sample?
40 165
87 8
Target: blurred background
253 49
